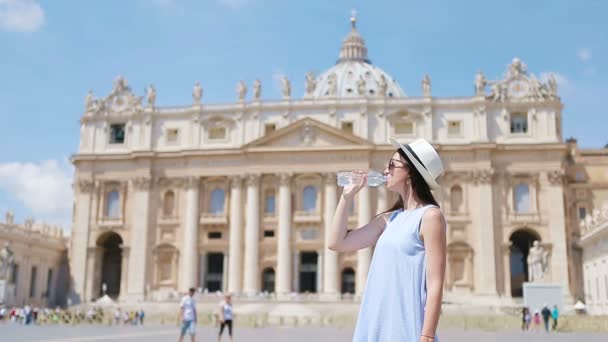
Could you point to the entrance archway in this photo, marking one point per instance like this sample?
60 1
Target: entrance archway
111 264
215 272
521 241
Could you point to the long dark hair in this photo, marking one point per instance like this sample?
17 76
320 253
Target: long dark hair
419 185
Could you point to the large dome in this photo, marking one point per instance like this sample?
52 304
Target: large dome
354 75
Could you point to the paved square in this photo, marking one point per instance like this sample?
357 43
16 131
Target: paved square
87 333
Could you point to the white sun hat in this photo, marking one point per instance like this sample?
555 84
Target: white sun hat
424 158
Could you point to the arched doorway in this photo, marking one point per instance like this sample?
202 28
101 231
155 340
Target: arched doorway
521 241
348 281
111 266
268 280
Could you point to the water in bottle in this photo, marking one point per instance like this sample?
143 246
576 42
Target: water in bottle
374 178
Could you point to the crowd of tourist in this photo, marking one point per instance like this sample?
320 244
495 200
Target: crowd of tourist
94 315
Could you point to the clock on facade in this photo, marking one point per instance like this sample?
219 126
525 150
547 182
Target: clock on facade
518 88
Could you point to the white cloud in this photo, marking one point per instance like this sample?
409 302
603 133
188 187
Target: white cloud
234 4
584 54
21 15
44 188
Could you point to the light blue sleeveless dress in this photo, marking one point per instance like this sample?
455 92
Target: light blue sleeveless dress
392 306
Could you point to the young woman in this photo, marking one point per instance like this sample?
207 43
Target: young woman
404 288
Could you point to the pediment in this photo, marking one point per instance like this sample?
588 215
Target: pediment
307 132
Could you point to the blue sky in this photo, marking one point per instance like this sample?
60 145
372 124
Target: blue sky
52 52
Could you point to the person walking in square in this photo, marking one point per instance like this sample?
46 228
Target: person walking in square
404 289
226 316
555 316
188 315
546 316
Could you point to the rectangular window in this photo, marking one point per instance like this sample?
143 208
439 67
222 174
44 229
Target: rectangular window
404 128
519 123
33 281
269 205
117 134
269 233
454 128
347 126
269 128
582 212
214 235
172 135
216 133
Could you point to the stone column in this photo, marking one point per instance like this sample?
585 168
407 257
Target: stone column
320 271
506 268
80 240
225 272
557 225
139 240
284 237
296 271
235 253
486 257
252 232
364 256
125 252
330 260
189 269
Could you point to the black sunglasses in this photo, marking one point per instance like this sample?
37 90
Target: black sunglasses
392 165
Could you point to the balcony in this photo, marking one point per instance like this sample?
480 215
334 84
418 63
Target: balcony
302 216
214 218
165 220
524 218
110 223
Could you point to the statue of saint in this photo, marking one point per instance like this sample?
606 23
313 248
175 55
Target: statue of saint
382 86
197 93
537 262
151 95
241 90
552 84
311 83
9 217
89 100
480 83
426 85
257 89
7 260
285 87
361 86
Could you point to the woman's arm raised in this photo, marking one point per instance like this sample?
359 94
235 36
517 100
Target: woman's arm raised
366 236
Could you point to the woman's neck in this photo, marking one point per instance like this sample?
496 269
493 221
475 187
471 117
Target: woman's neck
410 200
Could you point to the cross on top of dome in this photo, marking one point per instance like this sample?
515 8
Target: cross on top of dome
353 47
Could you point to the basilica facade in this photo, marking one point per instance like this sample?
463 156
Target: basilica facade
239 197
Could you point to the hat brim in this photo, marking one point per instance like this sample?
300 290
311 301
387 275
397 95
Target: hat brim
425 174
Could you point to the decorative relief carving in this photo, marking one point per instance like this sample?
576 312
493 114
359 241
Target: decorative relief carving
85 185
330 178
483 176
285 178
236 181
555 177
169 182
253 179
142 183
191 182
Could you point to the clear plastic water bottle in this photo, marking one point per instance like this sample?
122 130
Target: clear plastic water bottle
374 178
